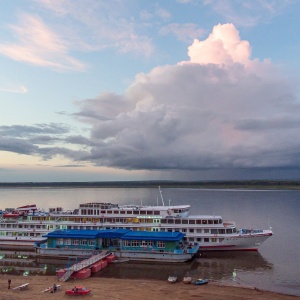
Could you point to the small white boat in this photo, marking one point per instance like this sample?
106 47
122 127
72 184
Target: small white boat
187 279
172 279
200 281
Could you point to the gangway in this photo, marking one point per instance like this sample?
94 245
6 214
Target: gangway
83 264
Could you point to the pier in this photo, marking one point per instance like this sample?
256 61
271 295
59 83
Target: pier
85 264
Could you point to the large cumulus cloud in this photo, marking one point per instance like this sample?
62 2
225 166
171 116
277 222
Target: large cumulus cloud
220 109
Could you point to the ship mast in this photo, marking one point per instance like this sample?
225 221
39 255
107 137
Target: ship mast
162 199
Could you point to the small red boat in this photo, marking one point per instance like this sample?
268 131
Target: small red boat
78 290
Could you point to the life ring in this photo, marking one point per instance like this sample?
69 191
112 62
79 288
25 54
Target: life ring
215 235
153 250
67 247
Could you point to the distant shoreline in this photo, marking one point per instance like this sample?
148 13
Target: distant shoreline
236 184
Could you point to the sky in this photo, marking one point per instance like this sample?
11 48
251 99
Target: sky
97 90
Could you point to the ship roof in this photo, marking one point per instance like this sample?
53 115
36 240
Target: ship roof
124 234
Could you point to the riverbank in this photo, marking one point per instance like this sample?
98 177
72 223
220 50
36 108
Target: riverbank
109 288
218 184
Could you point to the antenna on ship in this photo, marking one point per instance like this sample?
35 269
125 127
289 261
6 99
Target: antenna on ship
162 199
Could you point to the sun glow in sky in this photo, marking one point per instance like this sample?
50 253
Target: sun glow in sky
136 90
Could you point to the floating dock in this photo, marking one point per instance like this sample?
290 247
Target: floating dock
85 268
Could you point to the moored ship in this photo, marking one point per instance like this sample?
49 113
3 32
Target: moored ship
23 226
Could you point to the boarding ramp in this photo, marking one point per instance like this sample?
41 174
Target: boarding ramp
83 264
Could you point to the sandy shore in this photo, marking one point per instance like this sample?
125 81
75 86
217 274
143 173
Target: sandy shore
107 288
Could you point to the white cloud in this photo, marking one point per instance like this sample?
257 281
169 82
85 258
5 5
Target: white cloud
183 32
223 46
248 13
20 89
221 109
97 25
37 44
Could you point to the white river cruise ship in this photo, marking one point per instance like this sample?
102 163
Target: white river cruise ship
22 227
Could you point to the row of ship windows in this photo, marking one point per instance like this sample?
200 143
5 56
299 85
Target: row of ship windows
184 230
97 212
136 220
205 230
133 243
191 221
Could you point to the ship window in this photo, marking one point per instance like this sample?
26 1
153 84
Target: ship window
122 212
228 230
191 239
126 243
199 240
177 221
192 222
210 221
204 221
170 230
59 241
162 230
103 211
216 221
199 230
220 221
221 240
135 212
149 220
116 212
206 240
91 242
143 244
109 211
214 231
191 230
134 243
149 212
75 242
163 221
142 212
183 230
213 240
184 221
206 230
170 221
161 244
156 212
221 231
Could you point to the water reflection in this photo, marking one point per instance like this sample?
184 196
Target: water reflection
221 267
227 266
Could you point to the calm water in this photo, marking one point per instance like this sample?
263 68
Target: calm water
276 267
